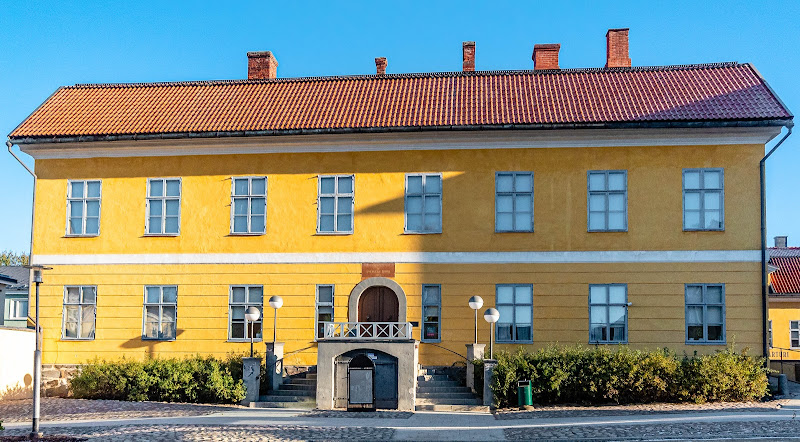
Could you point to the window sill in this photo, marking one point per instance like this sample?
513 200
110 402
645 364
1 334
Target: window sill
430 341
703 230
247 234
608 342
82 236
513 231
706 343
77 339
156 235
409 232
158 340
513 342
608 231
334 233
239 341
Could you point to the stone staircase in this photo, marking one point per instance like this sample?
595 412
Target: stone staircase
436 391
299 391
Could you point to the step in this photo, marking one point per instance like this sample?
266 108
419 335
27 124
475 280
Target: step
303 381
433 377
266 404
447 401
305 393
298 387
443 390
441 384
447 395
478 408
274 398
311 376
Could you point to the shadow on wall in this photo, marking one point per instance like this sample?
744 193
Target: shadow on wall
148 344
19 391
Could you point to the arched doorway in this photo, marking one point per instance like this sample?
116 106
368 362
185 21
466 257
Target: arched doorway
361 288
378 304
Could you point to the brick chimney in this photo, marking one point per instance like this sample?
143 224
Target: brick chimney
617 48
545 56
261 65
380 66
781 241
468 48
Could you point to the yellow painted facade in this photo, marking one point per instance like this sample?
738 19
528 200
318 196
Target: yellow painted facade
656 316
781 314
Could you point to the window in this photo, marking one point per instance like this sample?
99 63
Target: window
335 204
705 313
608 313
794 330
703 199
80 306
608 205
160 312
431 313
515 304
83 208
17 309
249 205
424 203
324 308
163 206
770 332
242 297
513 202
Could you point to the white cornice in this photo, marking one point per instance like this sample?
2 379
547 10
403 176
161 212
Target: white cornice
488 139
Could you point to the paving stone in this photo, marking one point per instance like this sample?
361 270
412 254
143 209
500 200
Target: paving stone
567 411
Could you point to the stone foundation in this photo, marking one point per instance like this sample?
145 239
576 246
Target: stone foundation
55 379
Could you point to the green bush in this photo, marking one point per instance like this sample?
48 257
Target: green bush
197 380
624 376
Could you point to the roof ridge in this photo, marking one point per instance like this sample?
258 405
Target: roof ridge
444 74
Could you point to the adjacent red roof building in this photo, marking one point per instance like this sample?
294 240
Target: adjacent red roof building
785 280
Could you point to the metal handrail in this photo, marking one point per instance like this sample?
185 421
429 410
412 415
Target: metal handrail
451 351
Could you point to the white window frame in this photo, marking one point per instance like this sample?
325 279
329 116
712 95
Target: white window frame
161 304
702 191
14 310
318 304
514 339
606 193
770 333
245 304
424 195
84 199
608 304
163 199
513 194
423 322
80 306
794 326
705 304
249 197
336 195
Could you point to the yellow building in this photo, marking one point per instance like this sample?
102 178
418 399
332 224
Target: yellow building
589 206
784 307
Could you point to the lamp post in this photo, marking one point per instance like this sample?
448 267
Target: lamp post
275 302
37 355
252 314
475 303
491 315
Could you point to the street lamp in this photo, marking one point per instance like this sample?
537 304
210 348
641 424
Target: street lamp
275 302
475 303
491 315
37 355
252 314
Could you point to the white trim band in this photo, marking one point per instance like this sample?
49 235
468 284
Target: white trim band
408 257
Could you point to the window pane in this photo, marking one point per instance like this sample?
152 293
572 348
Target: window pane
258 186
597 332
344 204
72 313
345 184
151 313
92 226
415 184
240 224
692 201
240 186
616 181
506 314
430 295
694 315
714 294
505 183
151 330
414 204
237 330
76 209
433 222
597 220
326 205
523 294
326 223
255 296
325 293
89 296
524 333
691 219
87 330
156 207
258 206
523 203
73 295
156 188
432 204
597 203
93 190
616 202
616 221
616 334
505 222
153 295
327 185
714 315
712 179
503 332
505 294
76 190
431 314
240 206
344 223
258 224
505 203
433 184
168 330
523 315
170 294
691 180
597 181
173 206
523 182
712 201
523 221
71 330
432 331
414 223
173 188
616 315
237 295
171 225
598 314
168 313
598 294
714 332
616 294
695 332
93 208
713 219
237 312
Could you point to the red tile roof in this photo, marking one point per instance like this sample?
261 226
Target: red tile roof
727 92
785 280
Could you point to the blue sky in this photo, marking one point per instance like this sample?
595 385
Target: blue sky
47 44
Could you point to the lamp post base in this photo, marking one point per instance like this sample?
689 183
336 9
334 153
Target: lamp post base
274 365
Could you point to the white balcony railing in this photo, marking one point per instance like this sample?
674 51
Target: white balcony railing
366 330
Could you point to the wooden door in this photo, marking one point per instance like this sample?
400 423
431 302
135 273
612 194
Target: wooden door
378 304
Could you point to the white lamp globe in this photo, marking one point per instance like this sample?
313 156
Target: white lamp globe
491 315
275 302
475 302
252 314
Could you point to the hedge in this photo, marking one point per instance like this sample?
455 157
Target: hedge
197 380
599 376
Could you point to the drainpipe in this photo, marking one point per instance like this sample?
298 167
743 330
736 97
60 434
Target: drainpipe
764 299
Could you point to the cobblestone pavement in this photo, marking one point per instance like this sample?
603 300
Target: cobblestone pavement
565 411
58 409
782 429
359 415
158 433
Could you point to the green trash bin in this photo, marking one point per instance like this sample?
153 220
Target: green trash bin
524 394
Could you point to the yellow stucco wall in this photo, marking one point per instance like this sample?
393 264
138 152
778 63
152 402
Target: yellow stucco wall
656 318
781 313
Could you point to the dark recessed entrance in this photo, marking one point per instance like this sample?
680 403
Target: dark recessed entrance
378 304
